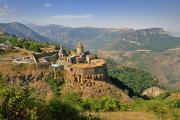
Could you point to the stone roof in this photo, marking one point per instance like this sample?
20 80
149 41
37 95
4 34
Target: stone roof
91 55
43 55
96 63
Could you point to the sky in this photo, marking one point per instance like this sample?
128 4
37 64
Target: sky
136 14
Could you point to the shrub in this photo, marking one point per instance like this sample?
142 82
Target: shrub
2 51
23 43
100 104
163 96
175 104
163 109
55 86
57 47
16 103
56 110
73 99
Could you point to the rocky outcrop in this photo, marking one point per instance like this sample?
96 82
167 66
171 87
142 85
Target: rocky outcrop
84 79
42 90
152 92
28 77
93 87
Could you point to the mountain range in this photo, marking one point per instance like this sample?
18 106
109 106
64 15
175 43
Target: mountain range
156 39
21 30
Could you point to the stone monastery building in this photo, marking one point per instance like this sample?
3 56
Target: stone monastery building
79 64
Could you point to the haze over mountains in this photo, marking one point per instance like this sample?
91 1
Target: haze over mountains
109 39
156 39
20 30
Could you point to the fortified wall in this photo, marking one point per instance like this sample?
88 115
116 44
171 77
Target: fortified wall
5 62
83 73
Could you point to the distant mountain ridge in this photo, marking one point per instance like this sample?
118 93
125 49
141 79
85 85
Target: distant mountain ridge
21 30
156 39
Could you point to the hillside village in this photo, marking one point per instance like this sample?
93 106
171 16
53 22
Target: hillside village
80 64
81 61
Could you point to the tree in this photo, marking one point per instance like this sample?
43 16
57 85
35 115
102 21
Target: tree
57 47
101 104
16 102
56 110
2 51
133 79
73 99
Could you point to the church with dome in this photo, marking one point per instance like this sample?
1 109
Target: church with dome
80 56
75 62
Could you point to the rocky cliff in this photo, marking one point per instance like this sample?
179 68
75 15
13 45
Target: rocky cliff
30 77
93 87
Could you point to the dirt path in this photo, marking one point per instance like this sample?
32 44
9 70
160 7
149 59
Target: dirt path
127 116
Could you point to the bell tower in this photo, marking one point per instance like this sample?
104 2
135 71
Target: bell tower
80 47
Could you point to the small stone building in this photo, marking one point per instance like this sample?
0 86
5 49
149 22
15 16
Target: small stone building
79 48
62 53
44 60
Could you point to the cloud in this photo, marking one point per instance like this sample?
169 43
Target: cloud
6 6
48 5
73 16
5 11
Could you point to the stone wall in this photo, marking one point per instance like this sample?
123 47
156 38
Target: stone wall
84 71
85 75
36 56
40 76
5 62
45 65
88 70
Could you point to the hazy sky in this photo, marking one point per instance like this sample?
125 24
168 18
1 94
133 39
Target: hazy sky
96 13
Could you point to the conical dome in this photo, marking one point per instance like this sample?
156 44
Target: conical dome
80 48
61 47
79 45
61 50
